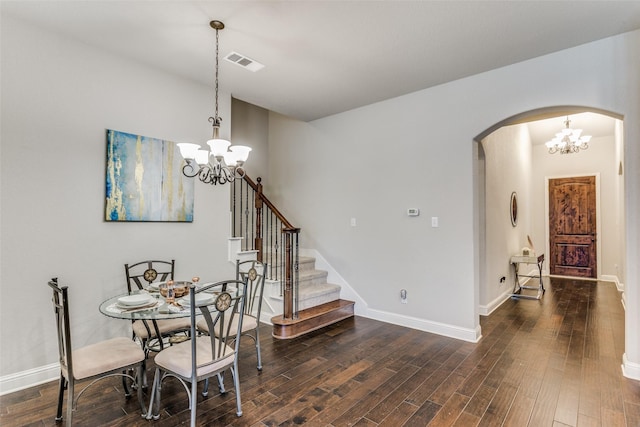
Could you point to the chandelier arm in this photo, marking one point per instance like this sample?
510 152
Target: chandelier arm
189 169
204 174
225 175
212 174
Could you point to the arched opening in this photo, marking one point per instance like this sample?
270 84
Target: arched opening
511 158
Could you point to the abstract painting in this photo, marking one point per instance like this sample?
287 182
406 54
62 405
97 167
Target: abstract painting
144 180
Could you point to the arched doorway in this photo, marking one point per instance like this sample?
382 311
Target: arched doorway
502 171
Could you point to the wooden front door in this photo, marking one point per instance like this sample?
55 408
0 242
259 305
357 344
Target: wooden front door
572 226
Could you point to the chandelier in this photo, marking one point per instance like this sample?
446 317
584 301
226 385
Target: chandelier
568 140
224 162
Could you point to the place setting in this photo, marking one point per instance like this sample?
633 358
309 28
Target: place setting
184 303
133 303
164 298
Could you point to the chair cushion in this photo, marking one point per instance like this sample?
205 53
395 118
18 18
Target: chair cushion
177 358
165 326
105 356
249 323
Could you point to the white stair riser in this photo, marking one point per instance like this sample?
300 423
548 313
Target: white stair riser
313 288
304 304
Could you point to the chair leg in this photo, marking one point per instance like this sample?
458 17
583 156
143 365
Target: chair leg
194 402
154 400
63 383
127 393
236 384
221 383
205 390
143 384
258 349
139 387
70 401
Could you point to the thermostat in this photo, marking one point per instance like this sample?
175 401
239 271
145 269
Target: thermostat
413 211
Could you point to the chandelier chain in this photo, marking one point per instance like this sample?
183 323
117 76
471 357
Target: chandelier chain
217 66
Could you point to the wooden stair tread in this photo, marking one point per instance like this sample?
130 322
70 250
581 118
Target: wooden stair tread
311 319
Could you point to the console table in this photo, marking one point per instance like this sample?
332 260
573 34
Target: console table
516 260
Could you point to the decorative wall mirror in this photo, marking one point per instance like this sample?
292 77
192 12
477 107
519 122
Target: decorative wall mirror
514 209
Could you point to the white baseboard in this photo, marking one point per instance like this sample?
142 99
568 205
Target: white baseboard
485 310
614 279
438 328
361 308
30 378
619 287
630 369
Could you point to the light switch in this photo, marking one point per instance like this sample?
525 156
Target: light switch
434 221
353 222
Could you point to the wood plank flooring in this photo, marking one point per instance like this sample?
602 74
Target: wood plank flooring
554 362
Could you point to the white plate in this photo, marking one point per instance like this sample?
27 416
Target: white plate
135 300
200 299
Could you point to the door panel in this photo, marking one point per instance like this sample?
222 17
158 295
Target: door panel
572 226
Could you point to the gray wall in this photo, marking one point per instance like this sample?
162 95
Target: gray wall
250 126
508 154
417 150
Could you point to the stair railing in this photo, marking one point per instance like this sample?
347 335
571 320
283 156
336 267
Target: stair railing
264 229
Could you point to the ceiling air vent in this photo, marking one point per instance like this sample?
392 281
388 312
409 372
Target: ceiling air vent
244 62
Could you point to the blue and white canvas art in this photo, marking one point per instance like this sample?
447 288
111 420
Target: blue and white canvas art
145 181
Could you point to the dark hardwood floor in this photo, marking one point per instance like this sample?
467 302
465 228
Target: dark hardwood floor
554 362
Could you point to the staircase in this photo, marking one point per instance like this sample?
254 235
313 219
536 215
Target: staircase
313 287
319 303
298 294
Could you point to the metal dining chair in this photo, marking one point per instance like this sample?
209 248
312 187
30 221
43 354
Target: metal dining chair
95 362
252 272
155 333
221 305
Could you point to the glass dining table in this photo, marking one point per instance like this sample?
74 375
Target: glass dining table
144 305
149 306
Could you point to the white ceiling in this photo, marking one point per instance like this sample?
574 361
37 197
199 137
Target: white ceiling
326 57
596 125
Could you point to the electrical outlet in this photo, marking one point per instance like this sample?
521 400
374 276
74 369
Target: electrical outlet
403 296
502 279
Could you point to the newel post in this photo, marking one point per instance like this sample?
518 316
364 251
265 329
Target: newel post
290 309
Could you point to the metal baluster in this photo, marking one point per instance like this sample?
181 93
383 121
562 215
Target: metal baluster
296 277
233 208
